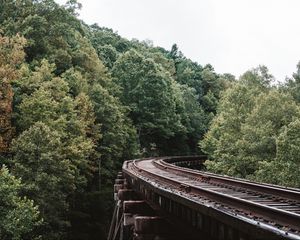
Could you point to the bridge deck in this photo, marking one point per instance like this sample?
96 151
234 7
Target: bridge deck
271 207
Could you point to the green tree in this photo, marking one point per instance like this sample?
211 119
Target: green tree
272 111
108 54
285 168
19 216
51 104
149 93
118 140
292 85
47 175
47 100
223 142
246 136
193 119
77 82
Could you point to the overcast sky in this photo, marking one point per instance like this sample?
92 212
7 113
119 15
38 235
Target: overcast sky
232 35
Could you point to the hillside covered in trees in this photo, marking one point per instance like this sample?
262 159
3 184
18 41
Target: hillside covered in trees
77 100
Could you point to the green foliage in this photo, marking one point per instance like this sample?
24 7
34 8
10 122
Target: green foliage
46 100
47 174
284 170
108 54
77 82
139 63
292 85
249 137
149 93
193 119
288 142
260 131
220 141
19 216
119 136
86 98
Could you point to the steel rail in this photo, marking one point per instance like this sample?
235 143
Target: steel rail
282 217
175 161
285 192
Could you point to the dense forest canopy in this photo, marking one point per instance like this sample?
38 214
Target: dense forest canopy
77 100
255 133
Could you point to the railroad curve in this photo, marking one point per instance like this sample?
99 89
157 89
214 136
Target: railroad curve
268 206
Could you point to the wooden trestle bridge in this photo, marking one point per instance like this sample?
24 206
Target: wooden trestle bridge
157 198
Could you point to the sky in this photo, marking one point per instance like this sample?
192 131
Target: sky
232 35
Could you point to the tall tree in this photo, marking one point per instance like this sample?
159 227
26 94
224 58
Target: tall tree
118 140
250 133
149 93
11 56
51 104
223 140
48 176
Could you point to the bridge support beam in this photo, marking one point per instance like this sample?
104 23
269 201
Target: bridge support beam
135 219
127 195
137 208
146 228
132 209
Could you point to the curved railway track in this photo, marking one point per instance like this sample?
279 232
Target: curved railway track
269 206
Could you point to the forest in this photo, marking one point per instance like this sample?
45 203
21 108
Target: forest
76 100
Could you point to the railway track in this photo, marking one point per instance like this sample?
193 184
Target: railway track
269 206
